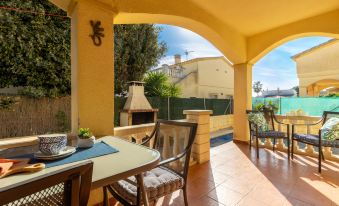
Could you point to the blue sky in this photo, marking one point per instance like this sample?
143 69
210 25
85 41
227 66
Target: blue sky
274 70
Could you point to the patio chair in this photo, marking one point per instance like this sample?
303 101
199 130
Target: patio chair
174 140
271 133
70 187
316 140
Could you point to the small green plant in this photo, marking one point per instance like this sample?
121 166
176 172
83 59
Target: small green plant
32 92
84 133
7 102
268 106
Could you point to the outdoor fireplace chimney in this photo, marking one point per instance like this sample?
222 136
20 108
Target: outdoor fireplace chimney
137 109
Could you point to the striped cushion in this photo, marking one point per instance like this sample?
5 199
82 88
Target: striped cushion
158 182
314 139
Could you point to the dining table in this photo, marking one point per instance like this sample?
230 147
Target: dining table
130 160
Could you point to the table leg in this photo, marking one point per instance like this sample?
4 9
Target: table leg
140 181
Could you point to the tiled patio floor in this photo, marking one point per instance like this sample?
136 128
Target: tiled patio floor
235 177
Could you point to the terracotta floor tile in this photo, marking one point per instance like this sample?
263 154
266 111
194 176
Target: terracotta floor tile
268 195
199 187
294 202
225 195
308 193
247 201
234 176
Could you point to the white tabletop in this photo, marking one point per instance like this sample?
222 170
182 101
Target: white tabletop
131 159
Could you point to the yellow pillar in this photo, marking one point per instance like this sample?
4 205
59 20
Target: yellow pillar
242 100
302 91
92 68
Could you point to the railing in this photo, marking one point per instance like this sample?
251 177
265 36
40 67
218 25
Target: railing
134 133
309 150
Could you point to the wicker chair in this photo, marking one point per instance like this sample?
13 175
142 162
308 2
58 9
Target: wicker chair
271 133
174 140
315 140
70 187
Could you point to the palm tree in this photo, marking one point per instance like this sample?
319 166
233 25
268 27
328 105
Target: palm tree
157 85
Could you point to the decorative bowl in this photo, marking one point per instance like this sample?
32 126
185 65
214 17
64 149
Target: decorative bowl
52 144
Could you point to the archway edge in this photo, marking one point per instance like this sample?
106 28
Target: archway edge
230 50
322 25
229 41
290 38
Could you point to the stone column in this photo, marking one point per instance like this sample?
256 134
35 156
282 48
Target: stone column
242 101
92 67
201 146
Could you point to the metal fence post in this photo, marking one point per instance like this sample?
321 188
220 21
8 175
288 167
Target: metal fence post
168 109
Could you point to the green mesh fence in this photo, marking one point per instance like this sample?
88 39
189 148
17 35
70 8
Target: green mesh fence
172 108
312 106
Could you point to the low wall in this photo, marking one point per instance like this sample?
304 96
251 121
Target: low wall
35 116
221 122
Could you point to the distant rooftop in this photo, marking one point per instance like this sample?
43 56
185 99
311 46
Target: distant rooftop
280 93
196 60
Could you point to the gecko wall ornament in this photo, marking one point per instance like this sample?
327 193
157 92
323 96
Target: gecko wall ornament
97 32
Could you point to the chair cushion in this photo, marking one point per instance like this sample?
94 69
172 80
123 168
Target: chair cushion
330 130
158 182
257 118
314 139
271 134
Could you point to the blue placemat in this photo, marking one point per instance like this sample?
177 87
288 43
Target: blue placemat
98 149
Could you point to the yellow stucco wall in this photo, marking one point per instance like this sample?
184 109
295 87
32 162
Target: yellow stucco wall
244 31
318 68
207 78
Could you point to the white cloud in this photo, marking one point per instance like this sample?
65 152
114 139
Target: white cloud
291 50
186 40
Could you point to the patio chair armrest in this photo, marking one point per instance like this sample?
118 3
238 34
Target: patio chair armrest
309 124
279 122
172 159
148 138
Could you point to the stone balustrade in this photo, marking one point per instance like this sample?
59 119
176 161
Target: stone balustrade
308 150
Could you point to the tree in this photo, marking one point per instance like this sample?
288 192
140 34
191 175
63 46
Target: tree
257 87
136 51
296 88
158 85
35 48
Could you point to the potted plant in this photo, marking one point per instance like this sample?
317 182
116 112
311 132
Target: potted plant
85 138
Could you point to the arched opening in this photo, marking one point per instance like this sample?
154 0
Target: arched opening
325 87
302 67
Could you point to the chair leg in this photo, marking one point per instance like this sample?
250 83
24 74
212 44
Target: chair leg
319 159
106 202
140 180
257 144
288 148
292 149
138 196
273 144
322 155
185 195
